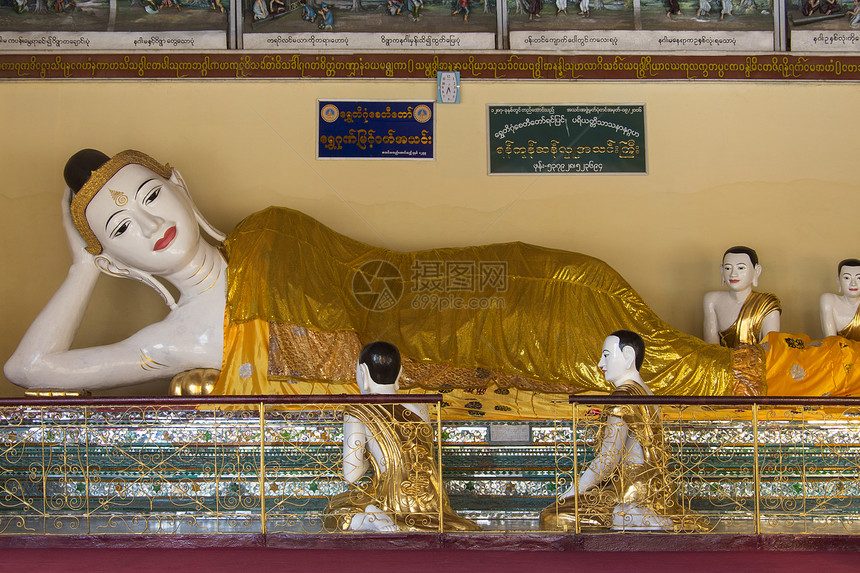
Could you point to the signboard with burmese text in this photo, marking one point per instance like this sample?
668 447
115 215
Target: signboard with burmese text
375 129
566 139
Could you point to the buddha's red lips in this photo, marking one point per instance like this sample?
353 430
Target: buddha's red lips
164 241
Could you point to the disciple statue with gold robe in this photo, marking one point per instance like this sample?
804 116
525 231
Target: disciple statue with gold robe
284 304
405 492
840 313
626 486
740 315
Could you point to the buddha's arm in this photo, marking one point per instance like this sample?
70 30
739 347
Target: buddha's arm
711 330
770 324
355 463
158 351
825 310
53 330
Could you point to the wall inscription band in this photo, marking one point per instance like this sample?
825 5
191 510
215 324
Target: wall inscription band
485 66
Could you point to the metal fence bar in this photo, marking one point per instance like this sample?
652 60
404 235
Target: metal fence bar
87 468
577 528
262 471
439 467
171 401
756 470
713 401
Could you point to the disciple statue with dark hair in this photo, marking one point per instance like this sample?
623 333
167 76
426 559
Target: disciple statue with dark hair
840 313
740 315
405 491
625 487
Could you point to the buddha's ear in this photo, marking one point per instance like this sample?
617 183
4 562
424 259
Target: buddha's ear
757 274
106 265
208 228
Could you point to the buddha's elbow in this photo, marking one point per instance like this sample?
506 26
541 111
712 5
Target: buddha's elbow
19 372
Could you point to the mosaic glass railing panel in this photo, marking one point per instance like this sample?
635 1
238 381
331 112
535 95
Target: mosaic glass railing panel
185 469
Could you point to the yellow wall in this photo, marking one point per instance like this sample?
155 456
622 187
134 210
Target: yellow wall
768 165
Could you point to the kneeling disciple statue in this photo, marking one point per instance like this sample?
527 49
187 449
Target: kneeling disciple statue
405 492
625 487
840 313
740 315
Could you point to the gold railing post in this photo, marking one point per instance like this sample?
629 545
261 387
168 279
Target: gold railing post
262 468
87 463
577 528
44 473
215 469
439 453
803 474
756 472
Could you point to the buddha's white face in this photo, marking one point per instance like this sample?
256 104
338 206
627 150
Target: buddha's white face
613 363
849 280
738 271
144 221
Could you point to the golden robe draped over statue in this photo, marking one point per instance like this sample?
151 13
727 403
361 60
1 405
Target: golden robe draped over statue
852 329
410 489
498 328
645 484
747 328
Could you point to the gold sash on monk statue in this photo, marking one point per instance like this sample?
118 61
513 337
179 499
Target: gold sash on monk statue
852 329
747 327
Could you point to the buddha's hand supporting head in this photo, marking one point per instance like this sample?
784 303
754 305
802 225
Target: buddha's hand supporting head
80 255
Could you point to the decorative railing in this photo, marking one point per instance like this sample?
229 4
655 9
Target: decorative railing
749 465
175 465
270 465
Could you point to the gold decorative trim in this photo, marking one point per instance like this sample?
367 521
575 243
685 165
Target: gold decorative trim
748 369
147 363
49 393
97 180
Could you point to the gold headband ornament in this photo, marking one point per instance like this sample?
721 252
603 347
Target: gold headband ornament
98 179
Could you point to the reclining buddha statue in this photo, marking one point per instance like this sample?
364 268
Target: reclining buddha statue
283 304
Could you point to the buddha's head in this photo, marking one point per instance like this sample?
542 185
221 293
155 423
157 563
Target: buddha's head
740 269
849 277
133 212
378 369
623 352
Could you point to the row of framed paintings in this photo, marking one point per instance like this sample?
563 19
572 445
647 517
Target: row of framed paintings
545 26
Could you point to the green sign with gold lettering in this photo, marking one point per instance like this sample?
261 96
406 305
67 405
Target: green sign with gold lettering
567 139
